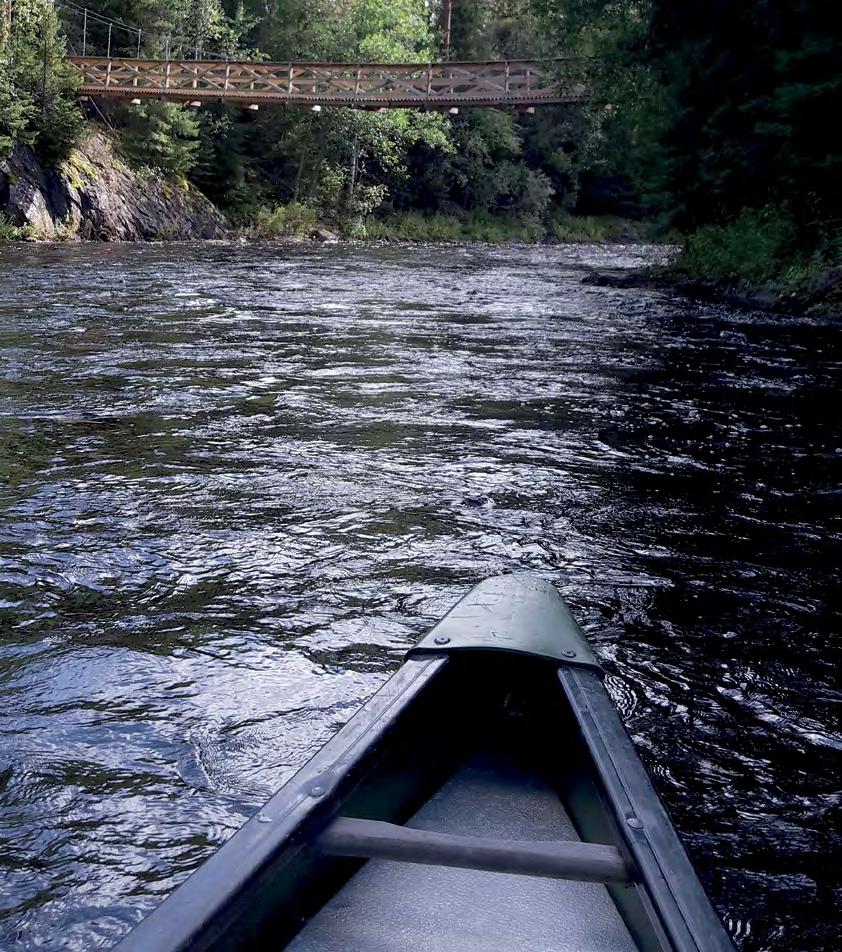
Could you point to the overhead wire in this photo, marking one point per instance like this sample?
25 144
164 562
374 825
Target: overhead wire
167 40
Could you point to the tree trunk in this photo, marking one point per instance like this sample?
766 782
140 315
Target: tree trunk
352 180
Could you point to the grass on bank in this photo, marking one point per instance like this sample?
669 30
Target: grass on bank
298 220
414 226
760 248
11 232
277 221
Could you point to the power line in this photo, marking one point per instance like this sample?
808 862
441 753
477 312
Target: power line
95 15
168 41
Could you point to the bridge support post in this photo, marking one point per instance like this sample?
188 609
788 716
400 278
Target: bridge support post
446 20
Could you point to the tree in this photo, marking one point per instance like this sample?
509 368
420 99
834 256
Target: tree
17 110
37 85
163 136
713 107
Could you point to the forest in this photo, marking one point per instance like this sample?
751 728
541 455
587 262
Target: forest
708 123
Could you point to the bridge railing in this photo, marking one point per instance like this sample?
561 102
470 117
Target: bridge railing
373 85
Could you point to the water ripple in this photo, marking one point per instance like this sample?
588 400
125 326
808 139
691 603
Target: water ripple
238 482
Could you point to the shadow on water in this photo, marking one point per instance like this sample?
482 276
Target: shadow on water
737 437
236 486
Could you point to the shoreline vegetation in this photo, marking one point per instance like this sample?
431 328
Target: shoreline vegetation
294 221
706 128
818 293
811 290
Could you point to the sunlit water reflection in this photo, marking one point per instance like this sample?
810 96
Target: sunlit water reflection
239 481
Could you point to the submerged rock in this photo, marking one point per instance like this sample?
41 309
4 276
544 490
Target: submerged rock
94 195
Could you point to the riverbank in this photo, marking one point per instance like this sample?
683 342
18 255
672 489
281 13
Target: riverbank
94 195
760 260
299 221
99 193
819 294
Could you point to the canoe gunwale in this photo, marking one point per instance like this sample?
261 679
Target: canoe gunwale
196 915
671 888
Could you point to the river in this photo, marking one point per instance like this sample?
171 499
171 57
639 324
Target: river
239 480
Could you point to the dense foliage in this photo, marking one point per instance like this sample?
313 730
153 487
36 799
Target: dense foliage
350 165
36 85
718 116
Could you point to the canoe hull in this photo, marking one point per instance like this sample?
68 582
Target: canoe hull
446 705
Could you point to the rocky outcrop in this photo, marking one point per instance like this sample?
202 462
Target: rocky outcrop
95 196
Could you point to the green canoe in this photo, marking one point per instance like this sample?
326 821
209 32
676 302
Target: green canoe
486 799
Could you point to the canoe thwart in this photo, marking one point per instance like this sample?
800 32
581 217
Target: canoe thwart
520 614
375 839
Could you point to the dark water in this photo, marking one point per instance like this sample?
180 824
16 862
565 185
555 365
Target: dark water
238 482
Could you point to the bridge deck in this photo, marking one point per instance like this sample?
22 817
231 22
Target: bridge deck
422 86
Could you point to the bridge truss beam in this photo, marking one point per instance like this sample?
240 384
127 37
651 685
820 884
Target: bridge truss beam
419 86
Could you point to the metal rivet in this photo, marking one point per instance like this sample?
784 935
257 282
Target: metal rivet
634 822
441 639
568 653
317 791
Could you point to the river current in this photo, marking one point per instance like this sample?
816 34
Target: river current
239 481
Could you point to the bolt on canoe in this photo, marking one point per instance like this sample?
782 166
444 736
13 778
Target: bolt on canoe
487 798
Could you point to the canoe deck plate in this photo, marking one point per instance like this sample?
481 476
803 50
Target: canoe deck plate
513 613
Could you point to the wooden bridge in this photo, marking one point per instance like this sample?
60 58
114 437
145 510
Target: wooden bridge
431 86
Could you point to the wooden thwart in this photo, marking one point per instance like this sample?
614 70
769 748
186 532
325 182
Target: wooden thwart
373 839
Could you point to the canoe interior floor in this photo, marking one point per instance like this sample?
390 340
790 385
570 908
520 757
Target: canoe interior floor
391 906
